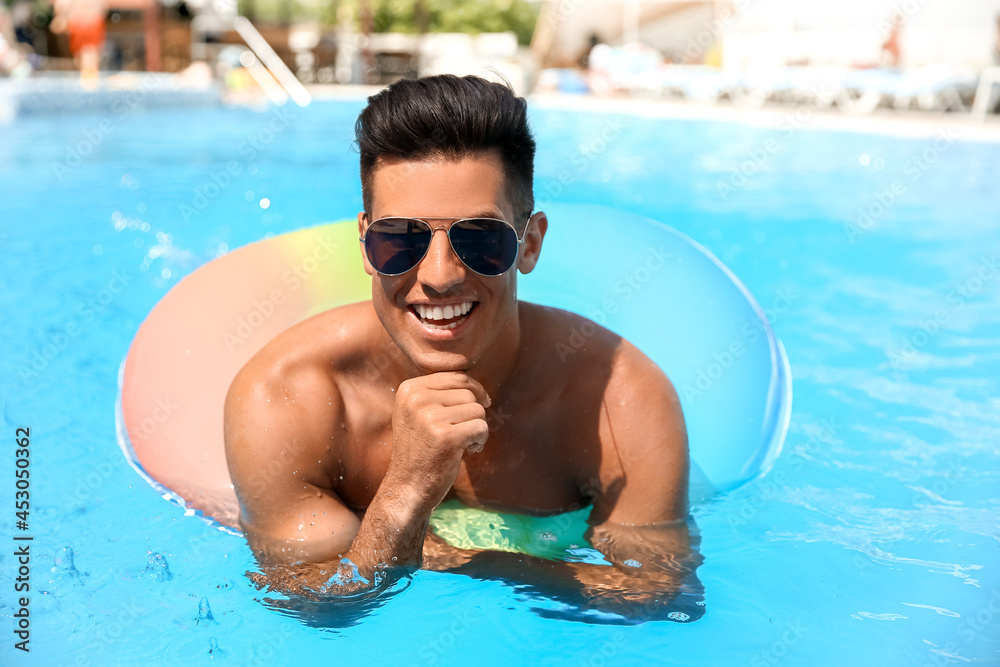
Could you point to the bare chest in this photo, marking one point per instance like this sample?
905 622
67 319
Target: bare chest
535 461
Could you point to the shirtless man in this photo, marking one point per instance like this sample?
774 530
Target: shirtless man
445 386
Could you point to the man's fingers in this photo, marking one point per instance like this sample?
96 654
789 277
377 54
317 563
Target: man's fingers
447 380
449 397
466 412
474 433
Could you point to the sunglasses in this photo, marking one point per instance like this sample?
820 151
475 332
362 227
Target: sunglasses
486 245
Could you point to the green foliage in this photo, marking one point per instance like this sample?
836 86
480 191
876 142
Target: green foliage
473 16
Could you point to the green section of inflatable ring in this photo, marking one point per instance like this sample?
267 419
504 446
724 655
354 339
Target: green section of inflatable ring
550 537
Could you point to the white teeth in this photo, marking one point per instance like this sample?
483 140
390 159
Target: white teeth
427 312
441 326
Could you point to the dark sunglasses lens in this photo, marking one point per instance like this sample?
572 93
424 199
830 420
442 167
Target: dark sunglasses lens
396 245
486 246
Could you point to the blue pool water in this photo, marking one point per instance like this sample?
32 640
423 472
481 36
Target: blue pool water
874 540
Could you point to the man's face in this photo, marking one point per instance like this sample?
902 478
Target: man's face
468 187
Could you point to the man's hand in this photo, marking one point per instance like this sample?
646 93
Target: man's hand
436 419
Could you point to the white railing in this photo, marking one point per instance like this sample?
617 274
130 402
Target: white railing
265 64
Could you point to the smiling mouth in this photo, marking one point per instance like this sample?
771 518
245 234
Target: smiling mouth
443 317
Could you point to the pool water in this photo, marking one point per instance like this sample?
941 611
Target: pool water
874 540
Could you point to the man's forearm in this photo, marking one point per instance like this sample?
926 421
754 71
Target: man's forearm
391 535
389 540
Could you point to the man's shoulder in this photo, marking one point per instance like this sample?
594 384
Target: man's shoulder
576 341
591 357
314 351
568 337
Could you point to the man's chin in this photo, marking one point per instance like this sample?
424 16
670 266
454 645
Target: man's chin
462 365
439 362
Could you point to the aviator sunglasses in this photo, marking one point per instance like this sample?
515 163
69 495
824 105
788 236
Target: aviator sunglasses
486 245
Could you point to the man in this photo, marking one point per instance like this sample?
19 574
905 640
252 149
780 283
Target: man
445 386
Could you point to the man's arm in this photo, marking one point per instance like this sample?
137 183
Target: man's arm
280 429
639 521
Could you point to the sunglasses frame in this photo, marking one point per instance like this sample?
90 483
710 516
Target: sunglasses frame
447 232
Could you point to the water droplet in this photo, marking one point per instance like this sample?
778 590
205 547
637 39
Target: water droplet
157 568
205 616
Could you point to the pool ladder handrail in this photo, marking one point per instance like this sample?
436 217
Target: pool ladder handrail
273 76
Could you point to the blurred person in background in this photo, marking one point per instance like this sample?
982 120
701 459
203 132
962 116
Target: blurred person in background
890 55
84 21
12 61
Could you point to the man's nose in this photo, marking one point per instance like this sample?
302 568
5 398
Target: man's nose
441 269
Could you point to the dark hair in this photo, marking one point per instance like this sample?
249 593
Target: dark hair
450 117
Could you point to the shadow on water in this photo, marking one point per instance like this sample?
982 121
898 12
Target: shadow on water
336 613
668 590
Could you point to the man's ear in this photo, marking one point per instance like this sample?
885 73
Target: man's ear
538 224
361 232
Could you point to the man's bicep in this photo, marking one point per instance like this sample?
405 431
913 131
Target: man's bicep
275 449
645 466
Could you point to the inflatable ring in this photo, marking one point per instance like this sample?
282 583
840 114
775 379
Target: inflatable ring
647 282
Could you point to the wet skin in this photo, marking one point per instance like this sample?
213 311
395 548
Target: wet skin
376 417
